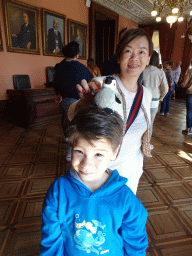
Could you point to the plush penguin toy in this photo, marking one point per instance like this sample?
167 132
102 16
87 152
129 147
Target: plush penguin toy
109 98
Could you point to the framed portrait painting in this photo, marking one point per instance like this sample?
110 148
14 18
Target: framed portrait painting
22 26
1 43
53 33
78 32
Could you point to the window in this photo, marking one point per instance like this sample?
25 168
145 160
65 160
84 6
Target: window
155 39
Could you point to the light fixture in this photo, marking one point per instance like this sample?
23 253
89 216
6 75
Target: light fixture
171 18
176 12
154 12
181 18
158 18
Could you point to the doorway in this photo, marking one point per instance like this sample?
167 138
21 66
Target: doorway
102 33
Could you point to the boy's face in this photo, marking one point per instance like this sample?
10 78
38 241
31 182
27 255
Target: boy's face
91 161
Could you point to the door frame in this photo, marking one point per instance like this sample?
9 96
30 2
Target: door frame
108 14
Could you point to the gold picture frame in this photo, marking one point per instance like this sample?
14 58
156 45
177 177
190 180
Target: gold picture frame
1 42
78 32
54 27
22 27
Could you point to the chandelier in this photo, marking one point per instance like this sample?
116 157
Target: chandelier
176 10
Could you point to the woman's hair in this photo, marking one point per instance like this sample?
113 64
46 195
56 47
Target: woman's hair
154 59
129 36
71 49
94 123
91 63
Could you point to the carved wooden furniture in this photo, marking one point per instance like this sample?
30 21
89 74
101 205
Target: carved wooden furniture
27 107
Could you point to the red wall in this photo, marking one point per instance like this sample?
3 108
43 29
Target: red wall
34 65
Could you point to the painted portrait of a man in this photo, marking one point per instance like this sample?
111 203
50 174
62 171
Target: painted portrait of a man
22 22
54 38
53 33
26 37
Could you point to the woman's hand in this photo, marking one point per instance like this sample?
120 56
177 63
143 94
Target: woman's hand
86 88
87 91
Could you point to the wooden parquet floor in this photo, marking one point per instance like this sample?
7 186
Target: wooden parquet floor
30 160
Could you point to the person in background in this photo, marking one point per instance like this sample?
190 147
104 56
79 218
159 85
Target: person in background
133 53
155 80
165 104
93 67
54 40
177 73
68 73
90 210
187 83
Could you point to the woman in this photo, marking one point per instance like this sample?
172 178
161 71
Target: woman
187 83
155 80
133 53
93 67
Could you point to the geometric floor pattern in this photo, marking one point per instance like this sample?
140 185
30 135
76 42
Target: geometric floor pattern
30 160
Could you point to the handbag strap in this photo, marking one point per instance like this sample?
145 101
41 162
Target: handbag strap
135 107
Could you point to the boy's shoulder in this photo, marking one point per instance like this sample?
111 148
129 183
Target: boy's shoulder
61 180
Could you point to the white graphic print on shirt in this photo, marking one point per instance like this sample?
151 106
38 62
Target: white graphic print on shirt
90 236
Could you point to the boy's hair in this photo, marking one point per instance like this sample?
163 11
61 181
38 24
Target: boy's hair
94 123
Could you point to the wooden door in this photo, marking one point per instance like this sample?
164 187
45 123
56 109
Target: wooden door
103 32
105 36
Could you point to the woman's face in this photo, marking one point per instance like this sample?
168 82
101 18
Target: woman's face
135 57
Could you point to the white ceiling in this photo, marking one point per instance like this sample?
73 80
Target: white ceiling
138 11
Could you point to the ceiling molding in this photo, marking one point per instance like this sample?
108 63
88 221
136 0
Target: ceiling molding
138 11
133 10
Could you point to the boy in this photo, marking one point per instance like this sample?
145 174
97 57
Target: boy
91 211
